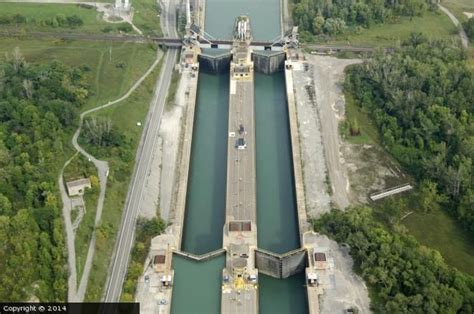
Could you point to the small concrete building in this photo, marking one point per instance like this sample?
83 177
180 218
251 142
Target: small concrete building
77 187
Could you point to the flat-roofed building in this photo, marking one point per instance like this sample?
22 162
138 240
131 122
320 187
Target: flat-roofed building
78 187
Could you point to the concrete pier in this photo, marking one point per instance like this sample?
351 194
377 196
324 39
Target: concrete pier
295 149
159 269
240 277
185 155
307 237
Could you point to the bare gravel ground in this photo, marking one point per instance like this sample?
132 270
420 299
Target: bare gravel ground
328 75
370 169
345 288
170 132
161 177
312 151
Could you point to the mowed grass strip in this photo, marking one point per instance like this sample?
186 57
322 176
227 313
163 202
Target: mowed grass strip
112 67
432 24
440 231
146 16
124 116
37 14
458 7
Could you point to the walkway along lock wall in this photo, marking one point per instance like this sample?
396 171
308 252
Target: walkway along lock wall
280 265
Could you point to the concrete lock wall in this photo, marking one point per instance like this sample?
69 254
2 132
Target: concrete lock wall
294 262
268 62
215 64
280 266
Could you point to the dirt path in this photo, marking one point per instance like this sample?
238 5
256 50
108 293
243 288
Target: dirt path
462 33
102 170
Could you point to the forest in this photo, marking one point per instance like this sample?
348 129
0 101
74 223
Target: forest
334 17
422 101
39 107
403 277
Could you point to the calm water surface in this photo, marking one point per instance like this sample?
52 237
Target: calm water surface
264 17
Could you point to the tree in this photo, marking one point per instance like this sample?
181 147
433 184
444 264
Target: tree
334 26
318 24
404 276
428 196
469 28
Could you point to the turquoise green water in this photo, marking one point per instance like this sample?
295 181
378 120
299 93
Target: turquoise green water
277 224
264 17
205 204
283 296
197 286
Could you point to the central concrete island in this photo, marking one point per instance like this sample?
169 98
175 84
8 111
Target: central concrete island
239 288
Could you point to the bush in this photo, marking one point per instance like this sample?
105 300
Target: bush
469 28
107 29
125 27
74 21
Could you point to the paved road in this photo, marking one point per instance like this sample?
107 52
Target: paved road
125 236
462 33
241 191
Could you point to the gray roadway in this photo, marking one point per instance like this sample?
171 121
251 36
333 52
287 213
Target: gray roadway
125 236
241 192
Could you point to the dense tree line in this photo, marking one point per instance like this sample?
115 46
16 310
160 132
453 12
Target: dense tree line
404 276
469 28
38 108
422 100
146 231
59 20
332 17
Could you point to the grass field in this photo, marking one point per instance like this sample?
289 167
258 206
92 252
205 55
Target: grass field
146 18
369 133
124 115
434 25
36 14
441 232
113 68
457 7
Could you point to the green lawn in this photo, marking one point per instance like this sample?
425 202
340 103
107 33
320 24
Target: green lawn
146 18
124 116
441 232
369 133
434 25
113 67
37 14
85 229
457 7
